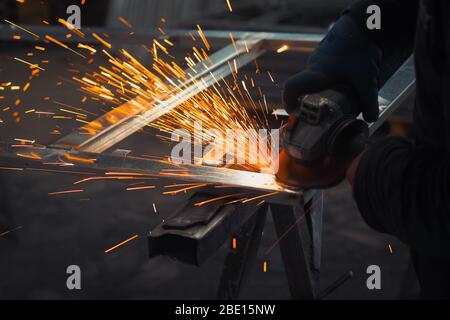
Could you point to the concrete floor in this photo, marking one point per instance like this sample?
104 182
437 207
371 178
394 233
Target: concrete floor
55 232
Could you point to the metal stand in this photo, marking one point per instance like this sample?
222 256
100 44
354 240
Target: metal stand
299 232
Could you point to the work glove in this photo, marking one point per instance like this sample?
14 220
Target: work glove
344 58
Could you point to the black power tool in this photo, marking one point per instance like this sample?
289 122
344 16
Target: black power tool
320 140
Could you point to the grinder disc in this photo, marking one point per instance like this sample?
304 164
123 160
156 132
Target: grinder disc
324 173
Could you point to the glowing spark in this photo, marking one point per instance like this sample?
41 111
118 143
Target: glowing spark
283 48
121 244
229 6
71 27
106 44
265 266
198 204
261 196
390 249
65 192
202 36
186 189
21 28
234 244
140 188
33 66
84 46
25 140
75 158
154 208
125 22
59 43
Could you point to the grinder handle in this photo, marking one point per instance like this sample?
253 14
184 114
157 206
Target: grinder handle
311 106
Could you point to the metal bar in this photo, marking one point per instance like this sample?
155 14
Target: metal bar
394 92
68 161
129 117
195 233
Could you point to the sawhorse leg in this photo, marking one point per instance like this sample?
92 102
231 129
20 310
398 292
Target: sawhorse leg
299 232
241 259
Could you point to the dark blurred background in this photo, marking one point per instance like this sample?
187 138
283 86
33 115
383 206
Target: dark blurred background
41 235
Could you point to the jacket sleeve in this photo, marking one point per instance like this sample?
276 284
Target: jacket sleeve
397 34
398 21
404 190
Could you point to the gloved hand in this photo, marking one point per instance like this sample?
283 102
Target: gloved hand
344 58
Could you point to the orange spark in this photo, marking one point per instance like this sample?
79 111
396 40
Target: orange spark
106 44
198 204
261 196
65 192
283 48
140 188
21 28
125 22
186 189
59 43
121 244
229 6
75 158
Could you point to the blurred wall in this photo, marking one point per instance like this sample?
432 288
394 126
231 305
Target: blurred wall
147 13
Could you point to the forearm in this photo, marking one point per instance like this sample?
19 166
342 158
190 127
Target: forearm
403 190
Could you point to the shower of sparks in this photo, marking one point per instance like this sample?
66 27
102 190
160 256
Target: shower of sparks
121 243
130 87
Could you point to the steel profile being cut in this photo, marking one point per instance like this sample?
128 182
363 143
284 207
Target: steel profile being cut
129 118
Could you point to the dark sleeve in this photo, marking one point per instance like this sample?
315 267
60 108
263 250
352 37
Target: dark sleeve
404 190
398 21
397 34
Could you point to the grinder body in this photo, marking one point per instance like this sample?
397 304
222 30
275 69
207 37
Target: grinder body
320 139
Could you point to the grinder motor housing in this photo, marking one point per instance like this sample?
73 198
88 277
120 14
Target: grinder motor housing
325 124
